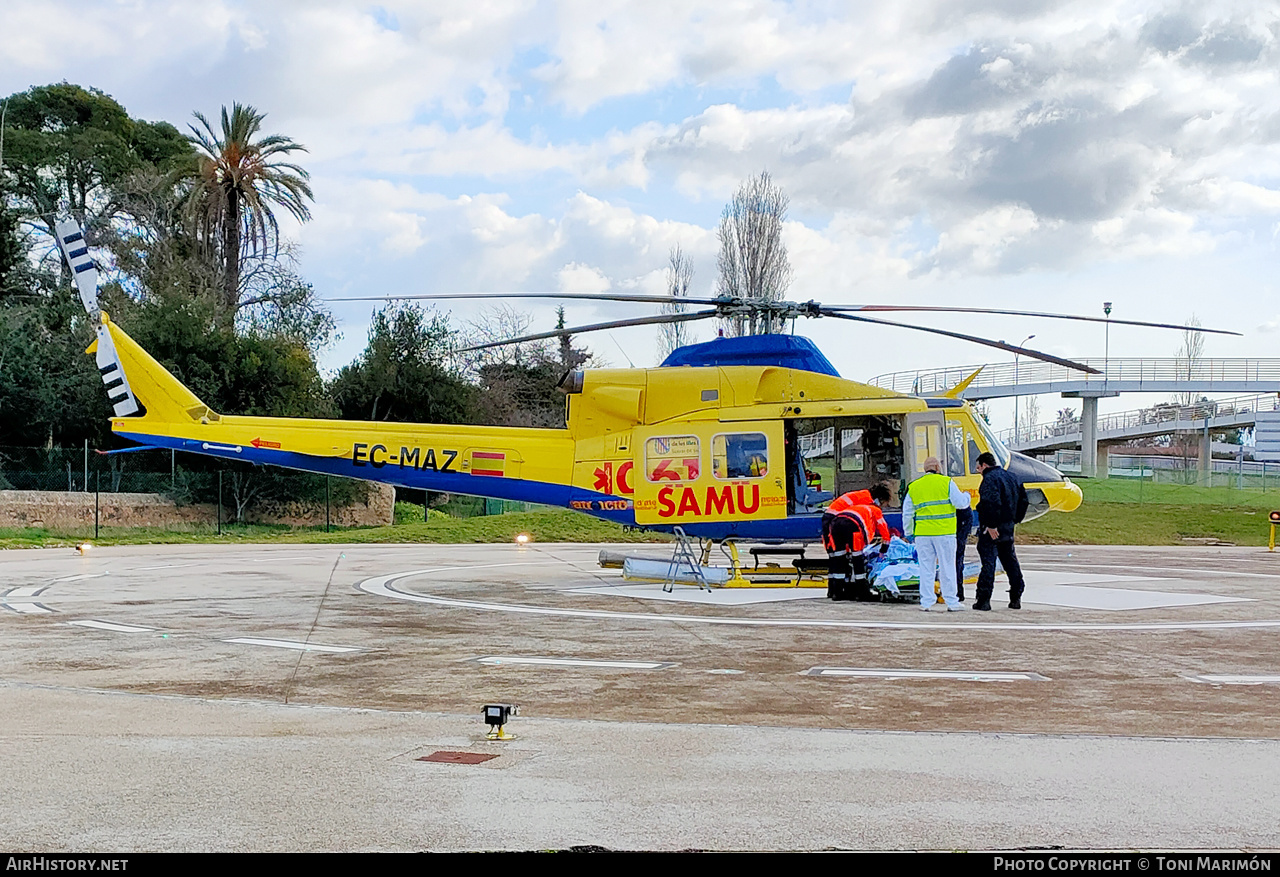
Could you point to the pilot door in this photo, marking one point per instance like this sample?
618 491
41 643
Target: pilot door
706 472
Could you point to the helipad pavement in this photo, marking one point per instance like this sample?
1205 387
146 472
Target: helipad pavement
240 697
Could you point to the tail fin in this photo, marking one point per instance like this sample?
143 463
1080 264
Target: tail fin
124 366
165 397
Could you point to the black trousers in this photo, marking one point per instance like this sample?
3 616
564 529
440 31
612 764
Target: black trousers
988 550
964 527
847 579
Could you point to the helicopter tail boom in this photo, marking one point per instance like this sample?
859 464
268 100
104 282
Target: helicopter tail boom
533 465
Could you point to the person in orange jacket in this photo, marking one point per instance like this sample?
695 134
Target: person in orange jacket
852 524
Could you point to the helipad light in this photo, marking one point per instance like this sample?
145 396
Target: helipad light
522 539
496 715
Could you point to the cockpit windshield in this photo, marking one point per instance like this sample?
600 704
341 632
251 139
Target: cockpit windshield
997 447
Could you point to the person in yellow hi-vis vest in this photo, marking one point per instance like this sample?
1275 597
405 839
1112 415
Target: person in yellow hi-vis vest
929 520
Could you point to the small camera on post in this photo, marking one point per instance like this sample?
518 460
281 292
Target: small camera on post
495 716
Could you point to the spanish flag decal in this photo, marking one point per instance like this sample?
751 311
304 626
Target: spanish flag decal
488 463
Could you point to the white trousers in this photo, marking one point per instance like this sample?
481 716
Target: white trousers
937 556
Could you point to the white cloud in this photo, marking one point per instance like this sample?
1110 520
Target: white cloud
486 144
576 277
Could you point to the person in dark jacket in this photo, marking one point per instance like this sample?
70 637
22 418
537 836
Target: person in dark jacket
964 528
1002 501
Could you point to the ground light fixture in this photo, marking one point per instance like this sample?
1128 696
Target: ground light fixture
495 716
522 539
1275 519
84 548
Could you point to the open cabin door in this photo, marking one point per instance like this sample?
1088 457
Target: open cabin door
923 438
698 473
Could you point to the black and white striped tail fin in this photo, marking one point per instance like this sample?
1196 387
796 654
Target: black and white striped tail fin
83 269
118 391
85 273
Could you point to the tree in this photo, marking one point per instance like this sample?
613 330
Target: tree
753 259
50 392
257 372
570 357
67 147
1030 418
519 383
1190 355
235 182
1067 422
402 374
679 279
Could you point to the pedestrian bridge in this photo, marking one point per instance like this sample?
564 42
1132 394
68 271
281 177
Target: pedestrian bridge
1116 376
1162 419
1033 378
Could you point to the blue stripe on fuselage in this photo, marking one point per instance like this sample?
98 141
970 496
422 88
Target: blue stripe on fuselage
795 528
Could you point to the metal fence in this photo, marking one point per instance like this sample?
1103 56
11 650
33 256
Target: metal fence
79 492
1230 475
1203 374
82 493
1170 416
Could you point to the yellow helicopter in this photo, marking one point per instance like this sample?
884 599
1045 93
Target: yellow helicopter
742 438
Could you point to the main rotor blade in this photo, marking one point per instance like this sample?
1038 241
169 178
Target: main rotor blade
932 309
566 296
999 345
594 327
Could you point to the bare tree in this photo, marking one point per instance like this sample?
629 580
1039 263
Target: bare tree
497 323
1030 418
1190 355
679 279
753 259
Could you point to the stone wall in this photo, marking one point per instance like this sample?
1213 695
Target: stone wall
54 510
377 510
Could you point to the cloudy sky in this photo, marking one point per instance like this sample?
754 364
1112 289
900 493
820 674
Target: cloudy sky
1026 154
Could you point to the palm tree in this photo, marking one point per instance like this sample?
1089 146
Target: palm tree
235 183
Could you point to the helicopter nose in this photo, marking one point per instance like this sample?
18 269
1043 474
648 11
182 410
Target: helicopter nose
1047 488
1030 470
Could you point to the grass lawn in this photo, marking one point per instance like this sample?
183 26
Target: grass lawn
1119 511
1115 512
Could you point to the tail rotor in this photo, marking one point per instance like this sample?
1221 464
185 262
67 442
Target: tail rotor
84 272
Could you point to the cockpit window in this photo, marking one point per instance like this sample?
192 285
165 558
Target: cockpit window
996 446
955 448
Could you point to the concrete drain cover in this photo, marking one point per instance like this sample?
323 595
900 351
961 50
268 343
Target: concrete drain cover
448 757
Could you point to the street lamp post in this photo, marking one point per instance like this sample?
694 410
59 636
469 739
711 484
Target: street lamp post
1106 353
1017 429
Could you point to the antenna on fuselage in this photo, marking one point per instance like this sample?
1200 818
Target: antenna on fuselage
620 350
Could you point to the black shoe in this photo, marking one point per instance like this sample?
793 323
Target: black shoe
1015 603
982 606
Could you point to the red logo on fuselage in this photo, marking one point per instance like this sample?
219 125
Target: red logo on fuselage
741 499
605 481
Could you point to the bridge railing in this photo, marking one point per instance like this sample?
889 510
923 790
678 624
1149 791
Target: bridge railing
1203 372
819 443
1164 412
